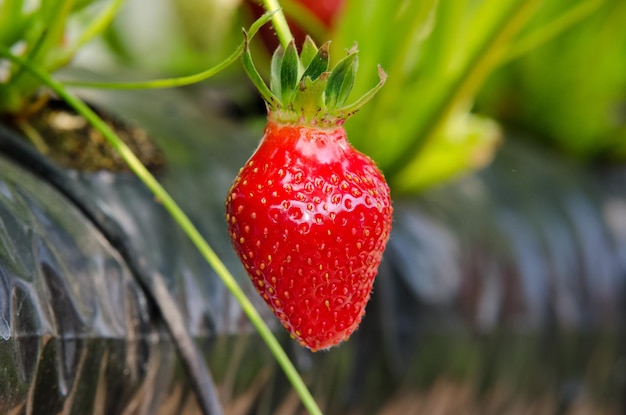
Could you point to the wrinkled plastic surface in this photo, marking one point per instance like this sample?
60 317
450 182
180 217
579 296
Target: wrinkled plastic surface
77 333
529 243
514 273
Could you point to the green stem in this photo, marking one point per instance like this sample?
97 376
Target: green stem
163 83
183 221
180 81
279 22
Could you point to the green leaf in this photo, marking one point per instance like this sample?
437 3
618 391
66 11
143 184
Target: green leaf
318 64
289 73
10 15
275 65
13 29
356 105
341 80
254 75
309 50
429 102
309 96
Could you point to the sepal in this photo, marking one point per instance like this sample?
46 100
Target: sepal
318 64
289 75
341 80
304 90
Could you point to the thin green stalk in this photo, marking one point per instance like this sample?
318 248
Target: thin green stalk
181 81
279 22
183 221
162 83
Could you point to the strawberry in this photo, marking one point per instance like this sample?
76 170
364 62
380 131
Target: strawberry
308 215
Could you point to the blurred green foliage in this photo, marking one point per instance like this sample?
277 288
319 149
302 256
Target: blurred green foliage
174 37
421 128
570 92
39 31
458 70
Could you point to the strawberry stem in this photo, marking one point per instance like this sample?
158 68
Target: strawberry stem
183 80
279 22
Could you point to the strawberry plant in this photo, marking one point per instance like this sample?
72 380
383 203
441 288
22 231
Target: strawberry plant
309 216
39 33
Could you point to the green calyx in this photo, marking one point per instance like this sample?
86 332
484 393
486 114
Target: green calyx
304 90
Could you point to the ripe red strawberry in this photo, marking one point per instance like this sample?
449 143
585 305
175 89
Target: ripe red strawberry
308 215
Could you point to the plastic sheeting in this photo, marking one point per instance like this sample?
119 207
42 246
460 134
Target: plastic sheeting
77 333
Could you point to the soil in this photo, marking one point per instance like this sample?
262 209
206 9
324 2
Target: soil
68 139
